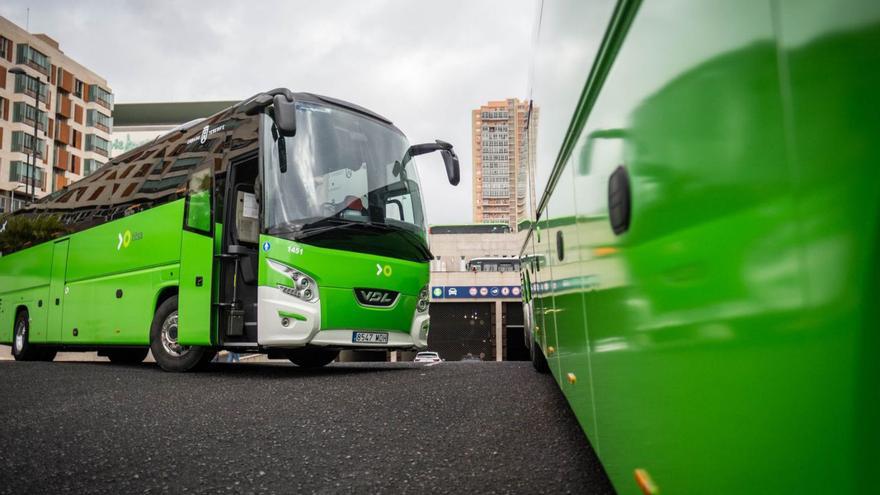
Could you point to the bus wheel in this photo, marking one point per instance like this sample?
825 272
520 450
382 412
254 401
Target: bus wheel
538 359
22 350
127 356
312 358
207 357
169 355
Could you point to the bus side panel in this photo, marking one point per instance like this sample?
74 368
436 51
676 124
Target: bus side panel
571 324
116 309
545 297
700 361
149 238
24 281
719 365
56 291
832 52
113 273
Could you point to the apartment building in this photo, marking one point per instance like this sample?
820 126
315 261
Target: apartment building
502 147
71 105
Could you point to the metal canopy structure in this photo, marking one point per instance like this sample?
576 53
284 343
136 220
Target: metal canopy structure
165 113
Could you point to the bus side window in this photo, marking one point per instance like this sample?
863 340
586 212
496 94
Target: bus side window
392 212
198 215
398 208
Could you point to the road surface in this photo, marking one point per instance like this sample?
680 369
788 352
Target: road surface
268 428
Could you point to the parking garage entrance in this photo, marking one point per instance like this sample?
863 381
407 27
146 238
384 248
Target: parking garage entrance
462 329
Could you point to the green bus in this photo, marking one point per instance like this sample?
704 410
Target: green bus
701 271
290 224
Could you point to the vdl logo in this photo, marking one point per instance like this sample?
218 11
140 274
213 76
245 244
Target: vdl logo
376 297
125 238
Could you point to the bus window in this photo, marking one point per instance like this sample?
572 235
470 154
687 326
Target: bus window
399 208
198 214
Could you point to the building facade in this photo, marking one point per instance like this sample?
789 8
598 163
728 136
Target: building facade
71 105
476 303
502 147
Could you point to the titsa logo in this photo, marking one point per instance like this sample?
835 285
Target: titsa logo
383 270
125 238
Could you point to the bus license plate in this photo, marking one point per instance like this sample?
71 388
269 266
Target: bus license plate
369 338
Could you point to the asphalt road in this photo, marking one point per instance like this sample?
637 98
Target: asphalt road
270 428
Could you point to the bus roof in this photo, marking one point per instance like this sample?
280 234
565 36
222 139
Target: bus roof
220 116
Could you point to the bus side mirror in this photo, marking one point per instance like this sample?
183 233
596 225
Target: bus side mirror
450 159
285 115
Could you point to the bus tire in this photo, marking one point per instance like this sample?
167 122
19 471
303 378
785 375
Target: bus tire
312 358
538 359
127 356
22 349
169 355
206 360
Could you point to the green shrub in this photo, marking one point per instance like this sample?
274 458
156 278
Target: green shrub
22 231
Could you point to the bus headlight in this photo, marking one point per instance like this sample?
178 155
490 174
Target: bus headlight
304 287
424 300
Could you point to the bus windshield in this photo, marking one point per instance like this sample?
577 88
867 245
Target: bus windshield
344 176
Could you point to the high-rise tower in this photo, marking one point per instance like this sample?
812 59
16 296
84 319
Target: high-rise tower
501 149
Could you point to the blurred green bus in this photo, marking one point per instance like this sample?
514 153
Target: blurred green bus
708 200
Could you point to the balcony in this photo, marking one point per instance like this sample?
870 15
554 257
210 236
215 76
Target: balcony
100 151
21 172
34 64
30 122
97 144
30 87
100 96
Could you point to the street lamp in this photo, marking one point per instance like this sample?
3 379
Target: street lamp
11 192
32 168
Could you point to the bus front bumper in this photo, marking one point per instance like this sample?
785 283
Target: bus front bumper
287 322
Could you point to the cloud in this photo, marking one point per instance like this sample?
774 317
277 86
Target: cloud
423 65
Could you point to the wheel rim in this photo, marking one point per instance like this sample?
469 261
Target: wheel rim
169 337
19 336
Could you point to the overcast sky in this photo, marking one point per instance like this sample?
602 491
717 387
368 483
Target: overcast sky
424 65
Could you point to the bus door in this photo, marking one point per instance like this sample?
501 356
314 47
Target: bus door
56 291
239 247
197 260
